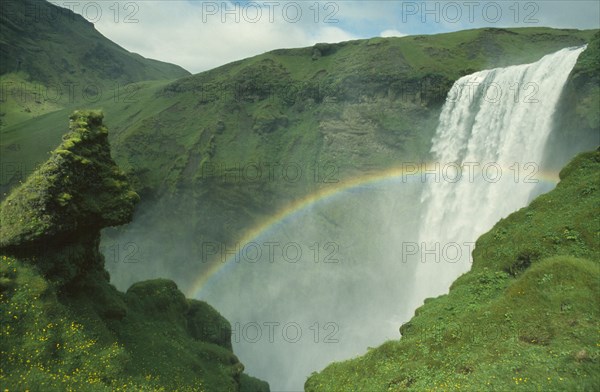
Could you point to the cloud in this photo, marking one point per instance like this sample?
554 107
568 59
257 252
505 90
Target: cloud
200 35
392 33
203 36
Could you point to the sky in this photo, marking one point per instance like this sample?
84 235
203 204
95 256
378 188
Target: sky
201 35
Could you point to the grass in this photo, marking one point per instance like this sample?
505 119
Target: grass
57 341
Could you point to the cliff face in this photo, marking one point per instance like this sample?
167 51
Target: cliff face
578 120
64 325
525 315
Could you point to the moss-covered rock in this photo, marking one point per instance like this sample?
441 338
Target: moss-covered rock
206 324
158 298
79 188
251 384
54 218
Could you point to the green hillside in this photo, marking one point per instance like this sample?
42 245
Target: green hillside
63 325
524 318
53 58
330 102
339 110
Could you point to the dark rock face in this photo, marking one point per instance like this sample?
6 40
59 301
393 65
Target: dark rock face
54 219
578 120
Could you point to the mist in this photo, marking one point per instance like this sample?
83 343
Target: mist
304 293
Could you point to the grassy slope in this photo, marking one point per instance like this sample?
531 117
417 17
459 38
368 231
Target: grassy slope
45 49
293 104
103 340
524 318
64 327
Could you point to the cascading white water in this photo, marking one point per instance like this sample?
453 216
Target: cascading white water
487 149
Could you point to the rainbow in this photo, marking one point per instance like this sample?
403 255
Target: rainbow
405 174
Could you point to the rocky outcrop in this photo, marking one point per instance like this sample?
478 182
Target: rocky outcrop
54 218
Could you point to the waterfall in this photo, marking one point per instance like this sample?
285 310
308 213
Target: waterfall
289 319
486 152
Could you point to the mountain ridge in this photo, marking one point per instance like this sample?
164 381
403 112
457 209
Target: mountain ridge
54 56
